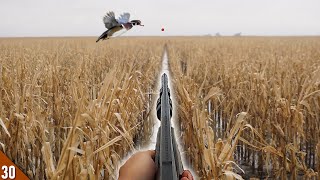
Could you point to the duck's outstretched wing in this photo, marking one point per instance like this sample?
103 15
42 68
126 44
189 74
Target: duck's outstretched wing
110 21
124 18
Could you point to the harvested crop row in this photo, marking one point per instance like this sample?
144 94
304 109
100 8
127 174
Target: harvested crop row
249 106
71 108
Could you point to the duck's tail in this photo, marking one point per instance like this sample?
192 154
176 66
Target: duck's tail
103 36
98 40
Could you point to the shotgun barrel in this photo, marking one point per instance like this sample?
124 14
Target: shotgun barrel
167 159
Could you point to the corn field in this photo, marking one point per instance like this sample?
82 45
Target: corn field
71 108
247 107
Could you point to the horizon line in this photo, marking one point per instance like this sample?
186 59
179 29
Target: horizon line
205 35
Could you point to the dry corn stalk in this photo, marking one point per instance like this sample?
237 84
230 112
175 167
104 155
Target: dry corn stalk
274 80
71 108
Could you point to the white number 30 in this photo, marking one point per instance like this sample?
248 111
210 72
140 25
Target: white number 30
8 172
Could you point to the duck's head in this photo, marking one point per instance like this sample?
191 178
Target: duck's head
136 22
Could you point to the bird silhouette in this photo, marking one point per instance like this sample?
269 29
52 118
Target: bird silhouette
114 25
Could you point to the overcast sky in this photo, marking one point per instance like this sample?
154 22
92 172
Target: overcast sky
178 17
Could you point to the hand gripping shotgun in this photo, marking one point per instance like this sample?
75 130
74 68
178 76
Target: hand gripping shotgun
167 158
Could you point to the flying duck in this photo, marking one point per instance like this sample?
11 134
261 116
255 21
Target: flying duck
114 25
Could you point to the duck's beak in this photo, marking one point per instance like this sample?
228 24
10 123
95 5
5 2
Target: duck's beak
141 25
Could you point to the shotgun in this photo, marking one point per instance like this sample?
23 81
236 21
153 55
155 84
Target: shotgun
167 158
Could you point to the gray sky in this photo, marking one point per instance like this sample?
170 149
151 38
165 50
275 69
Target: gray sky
178 17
